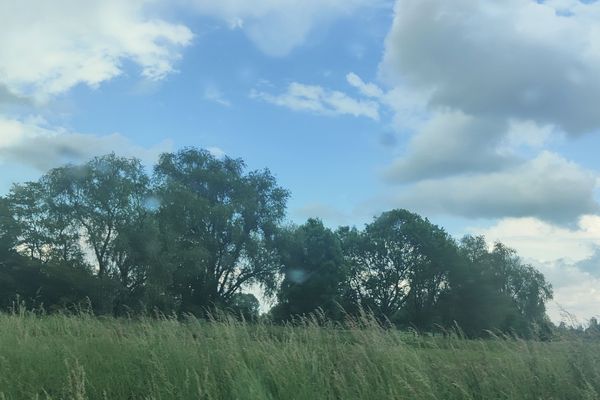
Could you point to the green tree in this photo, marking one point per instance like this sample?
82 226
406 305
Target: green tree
92 203
28 210
218 225
475 302
494 290
400 265
99 209
314 272
9 232
106 197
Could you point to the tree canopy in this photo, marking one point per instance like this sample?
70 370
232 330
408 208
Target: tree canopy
199 232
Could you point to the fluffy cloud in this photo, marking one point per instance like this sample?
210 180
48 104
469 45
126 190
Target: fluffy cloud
9 98
367 89
547 187
576 292
34 144
214 94
591 265
316 99
451 143
278 26
496 82
515 59
546 242
216 151
46 48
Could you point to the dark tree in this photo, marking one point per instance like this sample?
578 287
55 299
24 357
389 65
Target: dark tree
314 272
218 225
105 196
205 229
9 231
93 203
400 265
493 290
98 209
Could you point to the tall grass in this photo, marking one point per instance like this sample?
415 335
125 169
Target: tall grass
84 357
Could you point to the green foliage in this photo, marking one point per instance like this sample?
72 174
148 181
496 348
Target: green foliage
494 290
105 197
204 229
60 357
53 287
95 203
218 225
9 230
400 265
314 272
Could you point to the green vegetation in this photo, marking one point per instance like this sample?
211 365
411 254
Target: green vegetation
201 231
85 357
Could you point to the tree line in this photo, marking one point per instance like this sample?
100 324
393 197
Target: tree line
199 231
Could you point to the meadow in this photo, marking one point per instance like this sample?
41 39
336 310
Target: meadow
85 357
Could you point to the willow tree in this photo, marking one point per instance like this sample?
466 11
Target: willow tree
314 272
399 266
218 224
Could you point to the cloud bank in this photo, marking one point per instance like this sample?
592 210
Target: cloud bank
47 48
517 59
34 144
276 27
497 81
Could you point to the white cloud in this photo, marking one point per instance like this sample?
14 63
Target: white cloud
46 48
576 303
576 292
214 94
518 59
528 134
216 151
492 85
34 143
367 89
504 79
451 143
278 26
547 187
409 106
544 241
316 99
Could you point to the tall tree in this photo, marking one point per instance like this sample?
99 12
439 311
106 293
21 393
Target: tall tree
42 278
314 272
105 197
28 208
494 290
8 229
524 285
400 265
75 215
218 224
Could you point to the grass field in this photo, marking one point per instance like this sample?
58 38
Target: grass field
83 357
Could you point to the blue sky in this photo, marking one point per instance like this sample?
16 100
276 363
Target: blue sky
479 115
